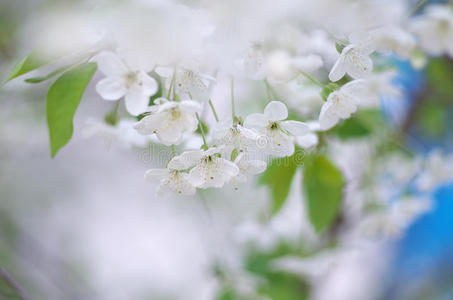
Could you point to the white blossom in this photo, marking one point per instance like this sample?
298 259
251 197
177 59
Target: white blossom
340 104
437 170
169 120
122 133
188 81
435 30
276 133
280 66
377 86
307 141
234 136
394 219
172 180
210 170
247 167
354 60
393 38
121 81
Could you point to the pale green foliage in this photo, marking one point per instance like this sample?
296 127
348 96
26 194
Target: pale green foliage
323 185
63 99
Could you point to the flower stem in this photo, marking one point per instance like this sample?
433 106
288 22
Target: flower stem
312 79
200 126
173 150
233 114
268 90
213 110
115 108
13 284
417 7
172 84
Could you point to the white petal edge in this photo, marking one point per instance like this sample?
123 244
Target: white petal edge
111 88
295 128
276 111
110 64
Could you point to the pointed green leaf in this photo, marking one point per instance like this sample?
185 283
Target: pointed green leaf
29 63
48 76
278 177
63 99
323 185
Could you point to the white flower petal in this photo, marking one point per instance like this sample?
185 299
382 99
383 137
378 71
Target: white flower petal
229 169
197 176
338 70
327 118
307 141
170 132
295 128
147 84
111 88
276 111
256 121
188 159
149 124
156 174
361 68
165 72
308 63
190 106
279 144
110 64
136 102
253 167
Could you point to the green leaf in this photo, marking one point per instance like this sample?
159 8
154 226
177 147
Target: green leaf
440 75
339 47
160 90
352 128
360 125
323 185
278 177
204 127
234 154
432 118
276 285
63 99
29 63
48 76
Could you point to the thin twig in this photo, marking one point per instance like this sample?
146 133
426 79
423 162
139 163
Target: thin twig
213 110
233 114
13 284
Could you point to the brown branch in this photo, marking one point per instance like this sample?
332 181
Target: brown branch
13 284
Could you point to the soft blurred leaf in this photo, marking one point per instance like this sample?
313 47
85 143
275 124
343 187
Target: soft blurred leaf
352 128
285 286
227 294
440 76
359 125
160 89
277 285
323 184
432 119
48 76
29 63
204 126
278 177
63 99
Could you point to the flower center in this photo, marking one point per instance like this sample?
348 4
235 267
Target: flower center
274 126
131 78
175 113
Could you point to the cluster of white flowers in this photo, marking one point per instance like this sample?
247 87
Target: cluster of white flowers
292 60
308 66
